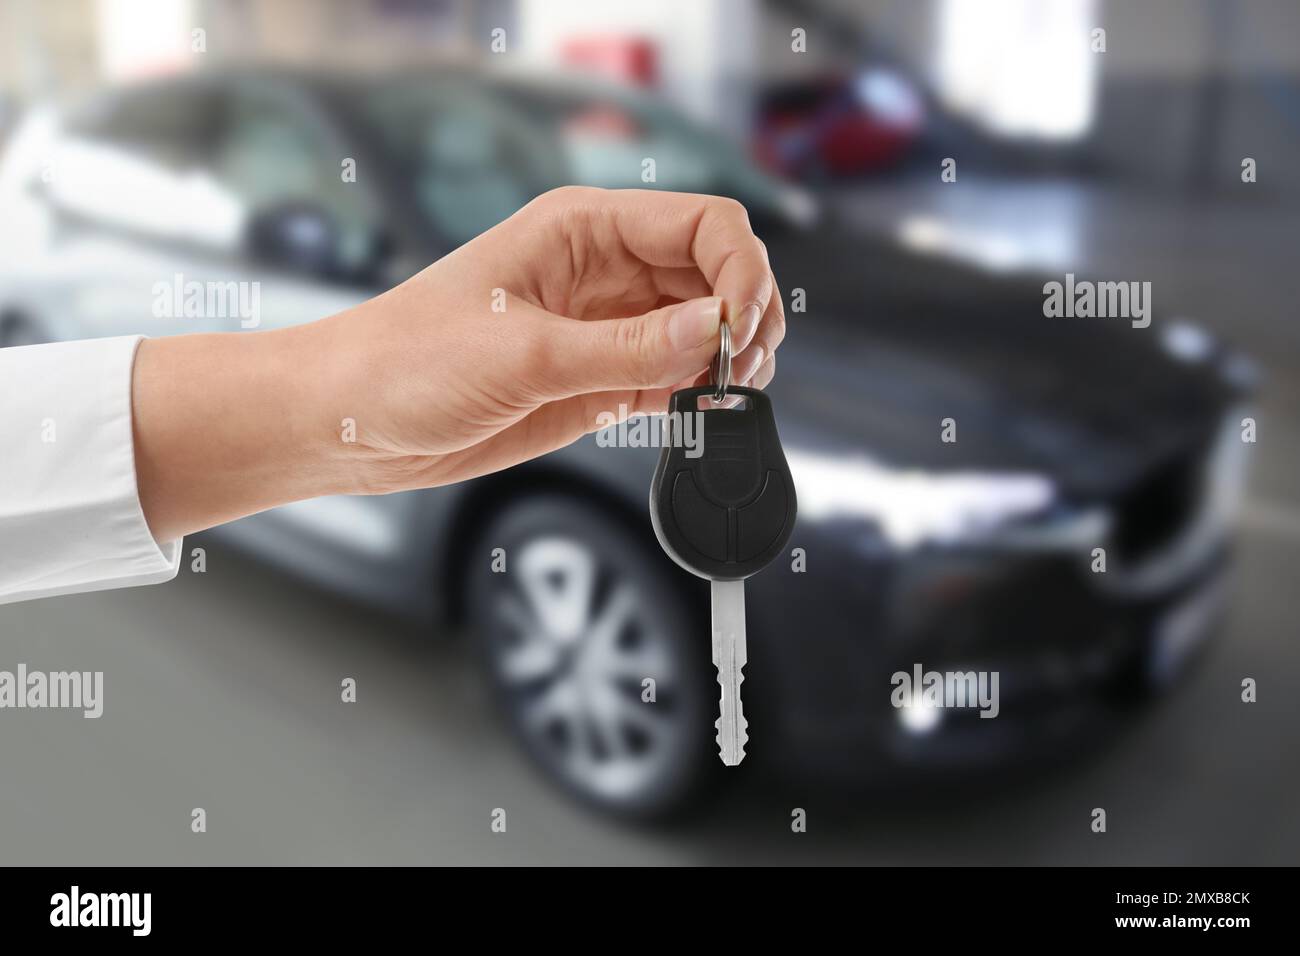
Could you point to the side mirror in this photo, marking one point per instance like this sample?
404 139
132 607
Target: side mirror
297 235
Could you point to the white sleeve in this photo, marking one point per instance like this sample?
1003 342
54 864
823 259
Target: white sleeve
70 516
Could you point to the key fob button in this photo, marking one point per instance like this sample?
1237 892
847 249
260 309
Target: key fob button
702 523
729 472
762 521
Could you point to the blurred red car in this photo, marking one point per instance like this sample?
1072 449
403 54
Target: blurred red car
836 126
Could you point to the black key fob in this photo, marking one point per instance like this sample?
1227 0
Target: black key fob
722 501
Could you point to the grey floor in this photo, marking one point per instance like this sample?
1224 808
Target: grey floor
222 688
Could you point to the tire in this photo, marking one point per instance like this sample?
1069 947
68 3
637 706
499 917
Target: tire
584 612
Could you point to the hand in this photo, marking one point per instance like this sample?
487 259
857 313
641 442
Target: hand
585 301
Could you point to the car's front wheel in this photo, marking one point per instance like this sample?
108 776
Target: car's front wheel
598 664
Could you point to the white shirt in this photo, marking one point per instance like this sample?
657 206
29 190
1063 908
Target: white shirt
70 516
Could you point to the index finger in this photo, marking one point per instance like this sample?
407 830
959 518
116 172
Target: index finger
666 229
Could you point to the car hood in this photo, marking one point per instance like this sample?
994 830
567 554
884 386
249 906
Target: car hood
892 344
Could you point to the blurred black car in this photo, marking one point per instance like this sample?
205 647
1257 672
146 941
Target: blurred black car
973 554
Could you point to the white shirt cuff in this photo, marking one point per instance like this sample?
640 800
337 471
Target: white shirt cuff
70 515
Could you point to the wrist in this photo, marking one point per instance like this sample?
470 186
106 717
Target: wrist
230 424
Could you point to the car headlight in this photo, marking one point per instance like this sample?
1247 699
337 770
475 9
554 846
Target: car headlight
913 507
1187 341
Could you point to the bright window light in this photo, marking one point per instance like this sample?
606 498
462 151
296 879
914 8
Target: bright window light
145 39
1020 67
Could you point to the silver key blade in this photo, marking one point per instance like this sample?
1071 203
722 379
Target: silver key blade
729 658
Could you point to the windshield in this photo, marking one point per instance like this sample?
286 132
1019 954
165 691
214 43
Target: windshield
478 149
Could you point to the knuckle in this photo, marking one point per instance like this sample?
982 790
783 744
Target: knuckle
726 214
569 194
733 208
563 199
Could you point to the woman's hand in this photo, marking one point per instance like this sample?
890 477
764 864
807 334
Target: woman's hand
585 301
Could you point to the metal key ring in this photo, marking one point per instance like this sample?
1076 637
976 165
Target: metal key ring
722 368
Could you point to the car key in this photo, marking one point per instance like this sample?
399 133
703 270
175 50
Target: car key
724 515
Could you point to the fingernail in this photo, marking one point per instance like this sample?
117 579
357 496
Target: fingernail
694 323
748 320
759 356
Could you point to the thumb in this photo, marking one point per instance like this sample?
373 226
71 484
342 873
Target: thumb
659 348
